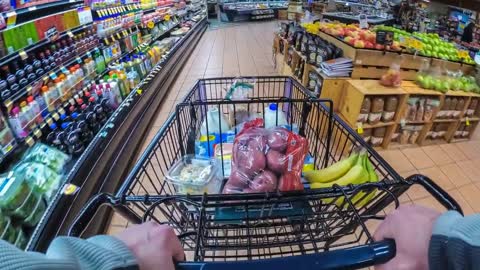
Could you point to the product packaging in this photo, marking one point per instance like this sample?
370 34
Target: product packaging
391 105
240 89
265 160
364 110
376 112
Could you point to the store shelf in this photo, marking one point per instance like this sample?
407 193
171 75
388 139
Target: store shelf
13 56
380 124
471 119
34 12
109 156
444 120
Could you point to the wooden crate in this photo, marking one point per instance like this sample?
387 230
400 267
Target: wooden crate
453 66
371 72
355 92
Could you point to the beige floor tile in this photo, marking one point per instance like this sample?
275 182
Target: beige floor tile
437 176
118 220
437 154
453 152
471 193
471 169
397 160
431 202
467 209
471 149
418 158
455 174
114 230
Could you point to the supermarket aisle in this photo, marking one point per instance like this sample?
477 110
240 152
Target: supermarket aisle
245 49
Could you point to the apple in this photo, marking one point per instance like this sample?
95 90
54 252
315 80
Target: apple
372 38
359 44
369 45
379 47
352 41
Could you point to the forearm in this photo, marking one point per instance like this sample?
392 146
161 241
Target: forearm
100 252
455 242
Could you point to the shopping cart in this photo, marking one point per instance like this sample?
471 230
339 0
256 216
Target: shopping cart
320 229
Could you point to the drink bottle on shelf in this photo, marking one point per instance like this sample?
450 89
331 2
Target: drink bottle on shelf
11 79
19 74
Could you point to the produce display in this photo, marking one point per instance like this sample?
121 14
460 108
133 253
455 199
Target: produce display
452 107
444 83
430 45
421 109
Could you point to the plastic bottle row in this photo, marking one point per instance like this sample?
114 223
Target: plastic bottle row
35 65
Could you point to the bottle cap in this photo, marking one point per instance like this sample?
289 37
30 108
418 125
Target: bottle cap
30 99
53 126
273 107
84 106
80 101
72 108
63 116
65 125
99 92
23 104
87 94
77 66
74 115
45 113
57 80
91 99
44 88
15 110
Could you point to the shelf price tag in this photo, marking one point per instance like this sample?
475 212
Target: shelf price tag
70 189
359 128
70 34
467 122
23 55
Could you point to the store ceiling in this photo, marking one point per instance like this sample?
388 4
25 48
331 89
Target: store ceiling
468 4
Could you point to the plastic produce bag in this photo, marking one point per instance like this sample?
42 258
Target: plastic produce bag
239 90
49 156
266 160
16 197
40 177
393 77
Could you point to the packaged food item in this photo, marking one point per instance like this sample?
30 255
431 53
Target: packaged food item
377 136
10 232
16 197
367 134
404 136
265 160
472 107
364 110
215 122
411 109
396 135
238 113
430 106
441 130
21 241
466 132
459 132
451 109
40 177
376 110
444 111
420 110
274 116
393 77
35 216
46 155
193 175
413 137
390 108
223 155
459 108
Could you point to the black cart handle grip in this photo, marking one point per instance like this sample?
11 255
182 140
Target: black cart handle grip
437 192
350 258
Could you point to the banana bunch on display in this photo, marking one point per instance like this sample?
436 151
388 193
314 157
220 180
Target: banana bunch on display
355 170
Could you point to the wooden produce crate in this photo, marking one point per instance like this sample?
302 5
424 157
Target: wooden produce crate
371 72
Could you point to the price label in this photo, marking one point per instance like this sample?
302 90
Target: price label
70 34
32 8
150 25
359 128
362 18
89 54
167 17
467 122
113 38
23 55
45 79
70 189
384 37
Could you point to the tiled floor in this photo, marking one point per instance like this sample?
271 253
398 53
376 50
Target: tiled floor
245 49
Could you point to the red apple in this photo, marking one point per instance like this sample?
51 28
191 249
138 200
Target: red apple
359 44
379 47
369 45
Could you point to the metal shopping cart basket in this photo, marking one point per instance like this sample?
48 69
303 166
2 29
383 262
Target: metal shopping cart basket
310 229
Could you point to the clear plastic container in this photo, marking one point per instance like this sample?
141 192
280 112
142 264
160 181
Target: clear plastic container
36 214
21 241
13 193
274 117
193 175
9 234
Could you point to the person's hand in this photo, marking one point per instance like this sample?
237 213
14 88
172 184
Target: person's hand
411 228
154 246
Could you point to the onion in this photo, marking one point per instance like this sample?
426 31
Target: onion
277 140
276 161
264 182
238 179
250 161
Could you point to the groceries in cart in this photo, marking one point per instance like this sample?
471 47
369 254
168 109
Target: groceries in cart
354 170
193 175
265 160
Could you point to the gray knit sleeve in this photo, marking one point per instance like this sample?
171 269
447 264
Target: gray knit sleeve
68 253
455 242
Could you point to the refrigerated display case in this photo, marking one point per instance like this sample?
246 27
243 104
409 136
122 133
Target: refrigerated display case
241 10
168 33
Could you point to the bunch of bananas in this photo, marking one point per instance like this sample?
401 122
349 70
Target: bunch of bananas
355 170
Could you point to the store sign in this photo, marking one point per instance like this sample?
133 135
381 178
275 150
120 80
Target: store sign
385 38
362 18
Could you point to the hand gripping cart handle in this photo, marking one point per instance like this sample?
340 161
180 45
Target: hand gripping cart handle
370 254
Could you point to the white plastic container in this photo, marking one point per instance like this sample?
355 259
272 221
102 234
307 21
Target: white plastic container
215 122
274 117
192 175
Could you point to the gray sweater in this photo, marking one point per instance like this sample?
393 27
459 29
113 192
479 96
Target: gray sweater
455 245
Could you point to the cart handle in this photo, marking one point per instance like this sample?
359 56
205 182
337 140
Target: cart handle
350 258
88 211
436 191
